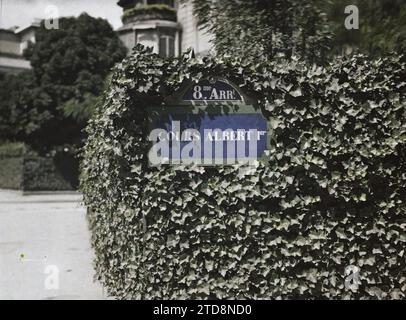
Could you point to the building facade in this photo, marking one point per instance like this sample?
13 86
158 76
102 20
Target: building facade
165 25
13 42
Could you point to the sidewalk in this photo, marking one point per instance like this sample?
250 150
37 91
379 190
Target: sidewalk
44 248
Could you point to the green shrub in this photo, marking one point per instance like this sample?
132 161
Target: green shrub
45 106
23 169
11 173
42 174
15 149
12 164
331 195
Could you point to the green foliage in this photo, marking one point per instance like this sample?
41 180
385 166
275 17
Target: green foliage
24 108
11 164
22 169
382 26
47 174
15 149
11 173
265 28
304 28
44 107
81 109
77 56
332 193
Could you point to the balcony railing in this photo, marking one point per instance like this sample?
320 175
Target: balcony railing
149 12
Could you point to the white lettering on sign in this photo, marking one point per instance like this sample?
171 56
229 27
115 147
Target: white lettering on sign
197 94
230 95
213 93
238 135
200 148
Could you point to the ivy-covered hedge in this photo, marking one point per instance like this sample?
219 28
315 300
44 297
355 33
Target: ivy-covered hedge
23 169
331 195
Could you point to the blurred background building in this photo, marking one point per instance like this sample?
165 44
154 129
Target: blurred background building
13 42
166 25
169 27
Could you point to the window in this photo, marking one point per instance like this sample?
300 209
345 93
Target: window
166 46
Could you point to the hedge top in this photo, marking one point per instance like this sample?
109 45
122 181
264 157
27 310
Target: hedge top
13 150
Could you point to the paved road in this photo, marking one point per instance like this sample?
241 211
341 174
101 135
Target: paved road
44 248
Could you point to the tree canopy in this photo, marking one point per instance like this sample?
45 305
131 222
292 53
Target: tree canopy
47 105
382 26
24 108
265 28
306 28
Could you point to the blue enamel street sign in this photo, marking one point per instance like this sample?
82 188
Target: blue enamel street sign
208 123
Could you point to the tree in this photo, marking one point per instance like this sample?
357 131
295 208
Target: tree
382 26
24 108
308 28
70 66
266 28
